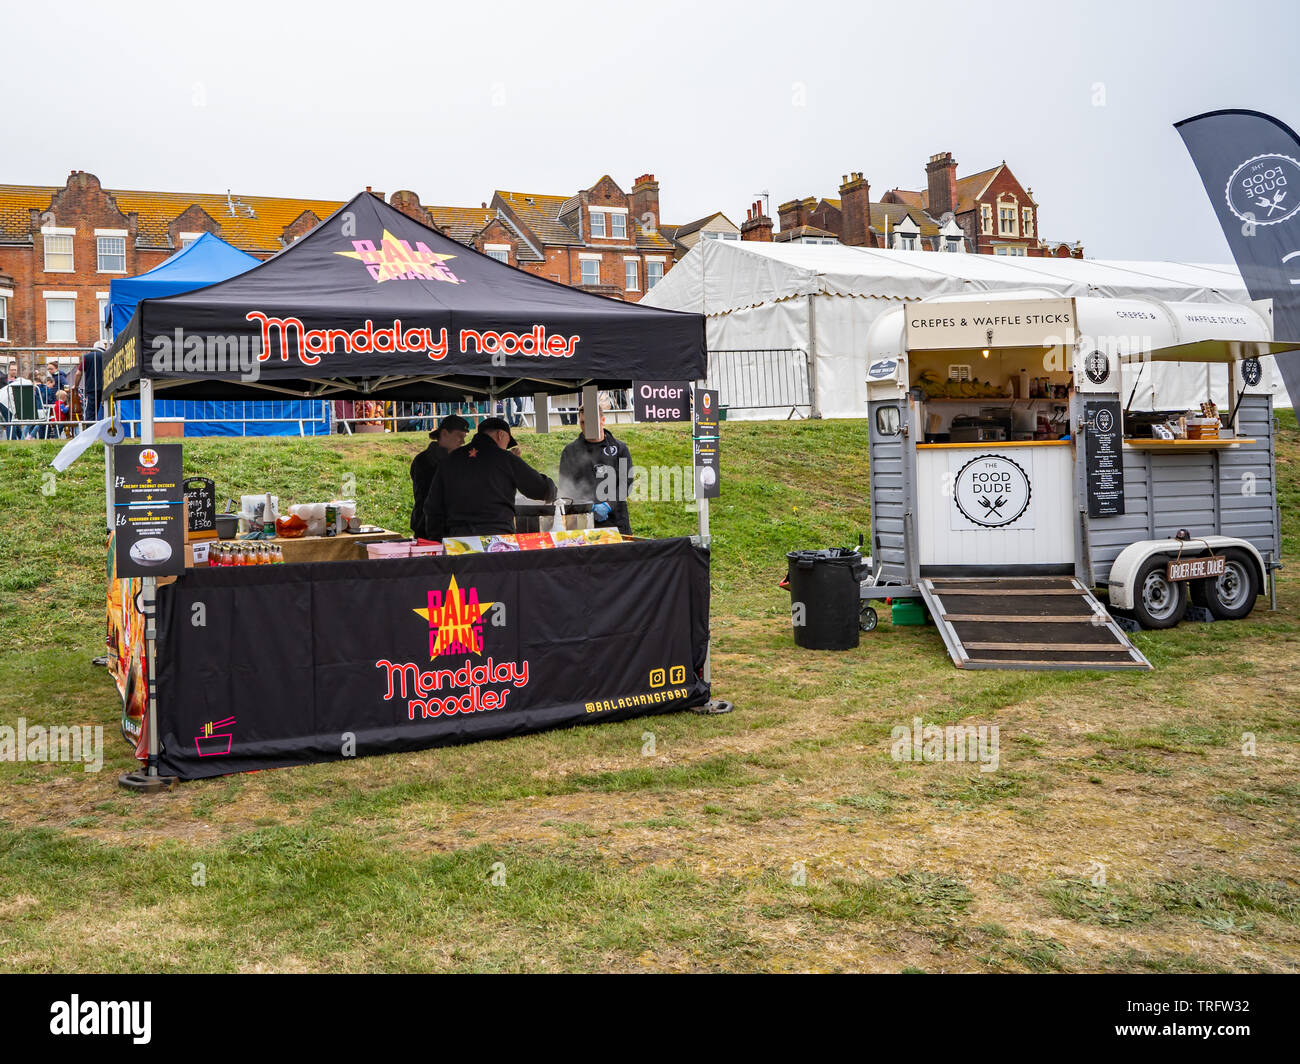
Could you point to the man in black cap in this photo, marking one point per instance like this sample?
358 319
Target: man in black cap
473 493
449 435
598 472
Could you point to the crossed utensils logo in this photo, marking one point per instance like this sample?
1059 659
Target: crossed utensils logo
1259 189
997 506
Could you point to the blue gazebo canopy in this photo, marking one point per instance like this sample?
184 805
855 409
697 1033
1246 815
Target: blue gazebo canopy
208 260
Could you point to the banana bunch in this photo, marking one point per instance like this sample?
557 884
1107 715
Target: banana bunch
936 387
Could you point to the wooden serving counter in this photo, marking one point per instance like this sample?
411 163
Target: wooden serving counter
345 547
993 444
1143 444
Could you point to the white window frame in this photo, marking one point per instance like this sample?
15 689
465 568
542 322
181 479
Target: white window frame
655 260
6 294
60 297
48 231
497 251
604 229
1010 204
1027 221
583 260
1013 250
631 271
101 305
620 217
986 219
187 239
108 234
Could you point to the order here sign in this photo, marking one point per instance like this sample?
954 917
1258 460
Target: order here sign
661 400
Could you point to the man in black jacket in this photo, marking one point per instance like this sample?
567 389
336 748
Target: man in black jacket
447 437
473 493
599 472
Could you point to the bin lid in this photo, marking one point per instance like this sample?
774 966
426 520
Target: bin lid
825 554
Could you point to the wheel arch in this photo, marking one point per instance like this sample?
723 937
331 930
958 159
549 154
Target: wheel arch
1123 573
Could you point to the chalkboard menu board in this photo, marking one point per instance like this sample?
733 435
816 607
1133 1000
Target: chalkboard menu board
201 506
1104 454
149 510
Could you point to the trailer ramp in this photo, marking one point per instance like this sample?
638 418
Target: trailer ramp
1028 623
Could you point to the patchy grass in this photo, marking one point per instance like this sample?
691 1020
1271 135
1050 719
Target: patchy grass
782 837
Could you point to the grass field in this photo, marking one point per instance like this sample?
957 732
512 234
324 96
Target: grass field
1125 829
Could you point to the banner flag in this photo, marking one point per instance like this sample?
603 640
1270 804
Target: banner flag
1249 163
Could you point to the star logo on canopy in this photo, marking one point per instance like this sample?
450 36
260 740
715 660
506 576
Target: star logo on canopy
396 260
455 621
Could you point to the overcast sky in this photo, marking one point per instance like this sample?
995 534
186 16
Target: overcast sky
719 101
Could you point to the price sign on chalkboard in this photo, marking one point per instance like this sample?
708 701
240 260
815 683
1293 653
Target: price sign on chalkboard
201 508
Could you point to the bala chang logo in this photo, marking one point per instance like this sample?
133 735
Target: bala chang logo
1265 189
396 260
455 621
456 627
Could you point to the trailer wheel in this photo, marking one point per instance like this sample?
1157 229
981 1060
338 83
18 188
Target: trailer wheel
1158 602
867 619
1231 596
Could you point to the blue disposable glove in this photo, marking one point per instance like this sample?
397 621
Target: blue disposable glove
602 511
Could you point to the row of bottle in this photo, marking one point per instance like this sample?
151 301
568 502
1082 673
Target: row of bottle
245 554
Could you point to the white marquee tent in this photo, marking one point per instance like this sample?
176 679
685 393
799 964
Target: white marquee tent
822 299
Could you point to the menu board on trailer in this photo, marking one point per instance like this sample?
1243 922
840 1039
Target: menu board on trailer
1104 455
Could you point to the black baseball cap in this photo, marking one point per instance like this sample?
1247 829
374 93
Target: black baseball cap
452 421
498 424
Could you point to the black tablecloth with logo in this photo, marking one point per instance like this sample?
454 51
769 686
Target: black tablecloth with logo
292 664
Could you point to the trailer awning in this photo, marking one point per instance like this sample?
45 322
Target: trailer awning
1137 330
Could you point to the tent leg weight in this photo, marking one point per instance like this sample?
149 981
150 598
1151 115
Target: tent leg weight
713 708
142 783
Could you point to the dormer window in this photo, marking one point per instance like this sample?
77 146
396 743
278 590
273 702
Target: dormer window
986 219
618 226
1027 221
597 223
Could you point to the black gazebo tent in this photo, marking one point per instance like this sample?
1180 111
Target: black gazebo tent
374 304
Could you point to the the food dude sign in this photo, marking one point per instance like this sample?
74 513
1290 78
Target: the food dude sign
991 491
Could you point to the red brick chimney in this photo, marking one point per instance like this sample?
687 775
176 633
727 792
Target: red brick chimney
757 225
941 175
796 212
855 209
409 204
643 202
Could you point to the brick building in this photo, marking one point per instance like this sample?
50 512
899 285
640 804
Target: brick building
600 239
996 213
61 246
988 213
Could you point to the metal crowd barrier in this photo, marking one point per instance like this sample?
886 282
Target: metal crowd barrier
761 379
